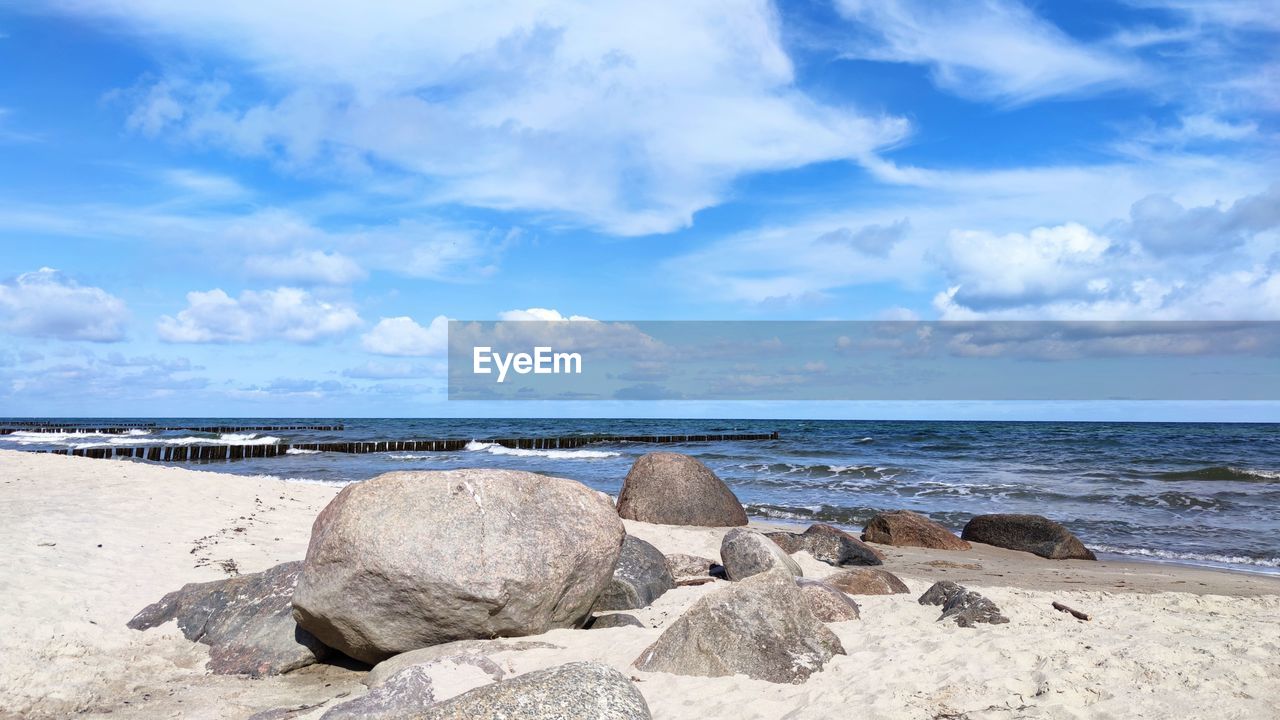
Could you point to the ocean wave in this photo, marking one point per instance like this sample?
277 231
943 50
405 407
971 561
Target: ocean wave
300 451
812 513
496 449
1222 472
1172 556
825 470
300 480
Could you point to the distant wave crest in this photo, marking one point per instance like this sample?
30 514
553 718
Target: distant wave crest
496 449
1222 472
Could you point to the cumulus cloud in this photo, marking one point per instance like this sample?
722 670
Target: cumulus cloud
1163 226
995 50
289 314
403 337
47 304
628 117
1041 265
306 266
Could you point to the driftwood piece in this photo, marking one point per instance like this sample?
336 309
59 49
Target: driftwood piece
685 582
1070 611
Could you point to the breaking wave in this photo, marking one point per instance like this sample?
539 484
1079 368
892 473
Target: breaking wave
496 449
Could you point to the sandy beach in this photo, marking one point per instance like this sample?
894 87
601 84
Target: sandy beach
88 543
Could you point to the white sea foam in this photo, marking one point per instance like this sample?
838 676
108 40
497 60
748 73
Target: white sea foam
1190 556
300 451
496 449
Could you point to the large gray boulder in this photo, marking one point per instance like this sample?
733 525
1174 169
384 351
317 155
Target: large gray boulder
903 528
827 603
760 627
746 552
961 605
828 544
640 577
576 691
411 559
1028 533
247 622
673 489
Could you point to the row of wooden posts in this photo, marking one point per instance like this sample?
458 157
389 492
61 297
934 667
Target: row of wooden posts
125 429
214 452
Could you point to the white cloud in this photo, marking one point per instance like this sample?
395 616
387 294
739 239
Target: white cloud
286 313
996 49
1163 226
629 116
306 266
765 264
540 314
402 336
1251 294
47 304
1040 265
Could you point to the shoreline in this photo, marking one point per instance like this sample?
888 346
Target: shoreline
92 542
1110 557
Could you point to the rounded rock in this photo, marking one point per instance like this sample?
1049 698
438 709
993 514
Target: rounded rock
674 489
411 559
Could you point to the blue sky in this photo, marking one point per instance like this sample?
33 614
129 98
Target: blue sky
272 208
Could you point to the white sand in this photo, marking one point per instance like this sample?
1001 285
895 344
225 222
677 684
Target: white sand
1213 651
